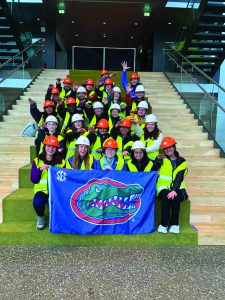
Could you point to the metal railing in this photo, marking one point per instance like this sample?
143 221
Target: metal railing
203 95
17 73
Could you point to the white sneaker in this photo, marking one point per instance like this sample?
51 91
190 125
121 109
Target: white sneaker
162 229
40 222
174 229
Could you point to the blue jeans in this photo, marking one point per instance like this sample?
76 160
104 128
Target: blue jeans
39 202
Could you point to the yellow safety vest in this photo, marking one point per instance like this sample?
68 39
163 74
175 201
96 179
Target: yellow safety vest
119 165
42 185
68 165
65 122
133 168
121 147
63 93
95 147
167 175
148 143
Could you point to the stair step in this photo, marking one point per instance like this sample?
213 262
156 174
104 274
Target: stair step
209 36
207 44
211 27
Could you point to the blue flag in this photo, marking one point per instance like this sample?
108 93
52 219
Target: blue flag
101 202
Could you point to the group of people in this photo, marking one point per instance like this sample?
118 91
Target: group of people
93 126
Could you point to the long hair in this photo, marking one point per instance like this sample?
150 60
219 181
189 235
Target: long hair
77 160
151 135
56 159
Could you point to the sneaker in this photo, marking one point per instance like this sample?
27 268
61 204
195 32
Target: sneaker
174 229
40 223
162 229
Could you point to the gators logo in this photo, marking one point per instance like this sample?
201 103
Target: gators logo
106 202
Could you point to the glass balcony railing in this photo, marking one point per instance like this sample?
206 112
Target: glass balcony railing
202 94
17 73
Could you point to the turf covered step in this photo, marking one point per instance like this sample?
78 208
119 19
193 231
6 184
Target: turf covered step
24 233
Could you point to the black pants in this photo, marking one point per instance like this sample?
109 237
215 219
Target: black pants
172 205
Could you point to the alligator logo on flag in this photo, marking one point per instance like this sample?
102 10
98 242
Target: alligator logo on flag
96 202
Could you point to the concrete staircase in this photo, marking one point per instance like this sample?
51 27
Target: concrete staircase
206 176
15 150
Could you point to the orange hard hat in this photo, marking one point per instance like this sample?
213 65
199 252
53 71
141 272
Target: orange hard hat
55 91
71 100
90 81
48 103
103 123
110 143
108 81
134 76
67 80
51 140
167 142
125 123
104 72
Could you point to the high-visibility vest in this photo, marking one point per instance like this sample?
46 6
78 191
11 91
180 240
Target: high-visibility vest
121 147
72 146
65 122
119 165
133 168
95 147
59 137
148 143
63 93
93 121
69 163
167 175
42 185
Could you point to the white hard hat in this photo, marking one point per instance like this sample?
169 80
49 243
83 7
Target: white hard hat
81 89
83 140
116 89
151 119
51 119
77 117
138 145
115 106
139 88
143 104
98 104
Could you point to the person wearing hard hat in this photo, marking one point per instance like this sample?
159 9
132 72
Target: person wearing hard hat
139 161
95 113
110 160
50 127
52 93
107 92
81 160
140 97
129 88
114 116
103 76
89 86
121 132
39 176
66 90
142 111
116 99
170 185
66 112
98 137
37 115
77 129
152 136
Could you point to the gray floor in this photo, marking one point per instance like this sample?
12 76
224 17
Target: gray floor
112 273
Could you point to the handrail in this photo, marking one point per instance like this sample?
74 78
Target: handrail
15 69
193 79
194 66
19 53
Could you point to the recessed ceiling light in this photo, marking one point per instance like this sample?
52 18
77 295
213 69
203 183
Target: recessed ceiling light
72 21
104 23
104 35
38 19
21 22
132 37
169 23
135 23
76 35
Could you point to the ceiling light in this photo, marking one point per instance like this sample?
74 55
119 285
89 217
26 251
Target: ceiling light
135 23
104 35
132 37
72 21
169 23
76 35
104 23
38 19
